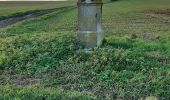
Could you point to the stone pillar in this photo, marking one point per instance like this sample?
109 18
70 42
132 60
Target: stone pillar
89 23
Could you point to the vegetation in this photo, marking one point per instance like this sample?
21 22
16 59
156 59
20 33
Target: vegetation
13 9
37 92
40 55
114 0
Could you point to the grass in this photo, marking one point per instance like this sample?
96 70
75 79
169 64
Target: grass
39 93
132 63
12 9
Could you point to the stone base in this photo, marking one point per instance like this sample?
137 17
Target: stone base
89 39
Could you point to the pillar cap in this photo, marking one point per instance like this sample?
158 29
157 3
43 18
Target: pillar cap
90 2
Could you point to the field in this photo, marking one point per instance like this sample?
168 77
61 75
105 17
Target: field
12 8
39 58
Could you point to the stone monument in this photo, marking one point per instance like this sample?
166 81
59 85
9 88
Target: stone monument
89 23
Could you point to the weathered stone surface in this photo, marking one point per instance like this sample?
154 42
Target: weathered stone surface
89 23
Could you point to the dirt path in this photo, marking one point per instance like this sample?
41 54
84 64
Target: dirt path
13 20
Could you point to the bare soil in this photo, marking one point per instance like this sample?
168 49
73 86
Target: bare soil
10 21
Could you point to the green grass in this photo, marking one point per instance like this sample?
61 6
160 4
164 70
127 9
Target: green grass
19 8
132 63
37 92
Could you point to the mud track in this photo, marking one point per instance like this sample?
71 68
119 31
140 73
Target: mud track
6 22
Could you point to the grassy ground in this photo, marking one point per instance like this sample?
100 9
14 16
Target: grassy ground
133 62
12 9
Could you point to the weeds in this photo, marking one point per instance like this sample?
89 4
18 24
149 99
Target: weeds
132 63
